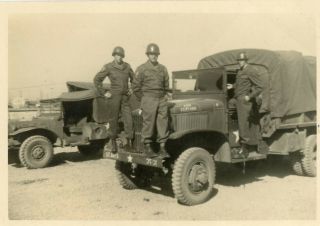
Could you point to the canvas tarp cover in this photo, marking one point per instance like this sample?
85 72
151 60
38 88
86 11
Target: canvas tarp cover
77 95
79 91
79 86
289 78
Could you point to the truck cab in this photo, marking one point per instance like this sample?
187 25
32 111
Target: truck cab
202 125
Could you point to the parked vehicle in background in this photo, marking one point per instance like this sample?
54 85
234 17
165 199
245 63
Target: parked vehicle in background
73 119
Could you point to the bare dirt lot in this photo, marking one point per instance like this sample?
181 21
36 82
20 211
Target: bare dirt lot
77 188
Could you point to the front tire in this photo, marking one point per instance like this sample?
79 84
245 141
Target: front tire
193 176
132 178
36 152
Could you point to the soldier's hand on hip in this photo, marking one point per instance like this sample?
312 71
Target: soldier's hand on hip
168 96
246 98
107 94
129 93
140 111
229 86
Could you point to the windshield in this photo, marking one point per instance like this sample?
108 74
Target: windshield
208 80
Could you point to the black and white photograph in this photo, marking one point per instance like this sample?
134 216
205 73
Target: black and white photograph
144 111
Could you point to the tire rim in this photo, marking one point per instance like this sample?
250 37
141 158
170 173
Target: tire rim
198 179
38 152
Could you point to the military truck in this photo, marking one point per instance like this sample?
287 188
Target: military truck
76 118
204 127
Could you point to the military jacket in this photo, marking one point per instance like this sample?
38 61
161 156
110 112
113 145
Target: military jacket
151 80
119 75
248 82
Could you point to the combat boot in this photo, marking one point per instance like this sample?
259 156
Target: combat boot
149 153
163 152
114 148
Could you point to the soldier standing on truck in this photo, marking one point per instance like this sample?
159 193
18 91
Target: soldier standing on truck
119 74
248 86
151 86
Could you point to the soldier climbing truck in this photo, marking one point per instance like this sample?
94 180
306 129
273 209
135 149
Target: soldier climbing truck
204 127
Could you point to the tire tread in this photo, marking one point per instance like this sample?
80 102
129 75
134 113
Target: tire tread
124 181
24 147
177 174
307 162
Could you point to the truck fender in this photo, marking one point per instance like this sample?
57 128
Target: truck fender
219 147
51 135
22 130
179 134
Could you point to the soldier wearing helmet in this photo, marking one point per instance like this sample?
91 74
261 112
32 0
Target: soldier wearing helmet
119 74
248 86
151 86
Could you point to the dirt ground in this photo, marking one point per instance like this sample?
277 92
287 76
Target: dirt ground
81 188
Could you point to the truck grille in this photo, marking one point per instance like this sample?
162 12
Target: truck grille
191 121
137 125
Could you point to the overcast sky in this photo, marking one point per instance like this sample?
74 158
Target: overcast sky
46 50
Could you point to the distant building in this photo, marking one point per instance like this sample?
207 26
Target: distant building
31 103
18 102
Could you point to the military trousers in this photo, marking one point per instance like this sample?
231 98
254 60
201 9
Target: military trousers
155 119
248 119
119 103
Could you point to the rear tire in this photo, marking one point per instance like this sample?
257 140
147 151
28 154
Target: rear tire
309 160
36 152
193 176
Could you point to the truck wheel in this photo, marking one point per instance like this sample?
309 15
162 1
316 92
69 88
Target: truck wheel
131 179
90 150
36 152
295 161
193 176
309 159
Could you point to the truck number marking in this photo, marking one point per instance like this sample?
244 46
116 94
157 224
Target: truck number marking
188 107
151 162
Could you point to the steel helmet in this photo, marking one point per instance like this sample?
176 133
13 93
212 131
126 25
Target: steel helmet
118 50
153 49
242 56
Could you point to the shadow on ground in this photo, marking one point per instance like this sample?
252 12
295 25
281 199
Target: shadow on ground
58 158
64 157
234 175
161 185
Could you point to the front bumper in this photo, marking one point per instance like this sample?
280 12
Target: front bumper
134 158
